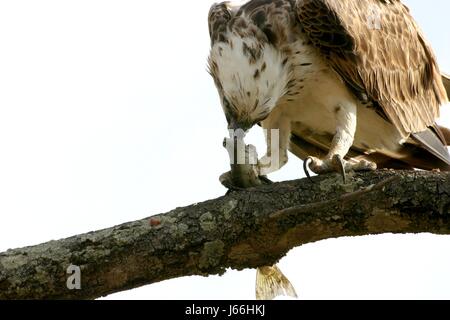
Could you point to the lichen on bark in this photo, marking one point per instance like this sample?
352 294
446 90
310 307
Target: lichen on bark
244 229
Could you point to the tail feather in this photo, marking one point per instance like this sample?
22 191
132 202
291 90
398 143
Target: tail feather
271 282
446 133
431 142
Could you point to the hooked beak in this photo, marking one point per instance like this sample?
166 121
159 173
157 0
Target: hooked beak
238 129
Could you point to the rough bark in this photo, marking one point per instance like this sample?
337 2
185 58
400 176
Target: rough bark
244 229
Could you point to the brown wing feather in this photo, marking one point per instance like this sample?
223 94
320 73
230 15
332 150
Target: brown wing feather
446 81
392 65
446 134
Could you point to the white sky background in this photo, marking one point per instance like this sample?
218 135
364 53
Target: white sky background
107 115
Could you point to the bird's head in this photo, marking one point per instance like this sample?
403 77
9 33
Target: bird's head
250 76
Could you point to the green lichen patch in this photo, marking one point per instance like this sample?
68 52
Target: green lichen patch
211 254
207 222
334 182
229 207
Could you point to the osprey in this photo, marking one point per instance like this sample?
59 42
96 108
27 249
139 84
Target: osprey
349 85
354 81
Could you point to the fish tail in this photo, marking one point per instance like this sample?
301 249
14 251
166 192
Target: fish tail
271 282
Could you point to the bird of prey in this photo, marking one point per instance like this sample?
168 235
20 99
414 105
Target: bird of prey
355 79
348 84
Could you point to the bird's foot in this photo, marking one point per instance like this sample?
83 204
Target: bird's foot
238 183
336 164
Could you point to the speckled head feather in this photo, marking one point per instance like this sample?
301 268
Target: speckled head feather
245 61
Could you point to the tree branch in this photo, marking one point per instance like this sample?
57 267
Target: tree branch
245 229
